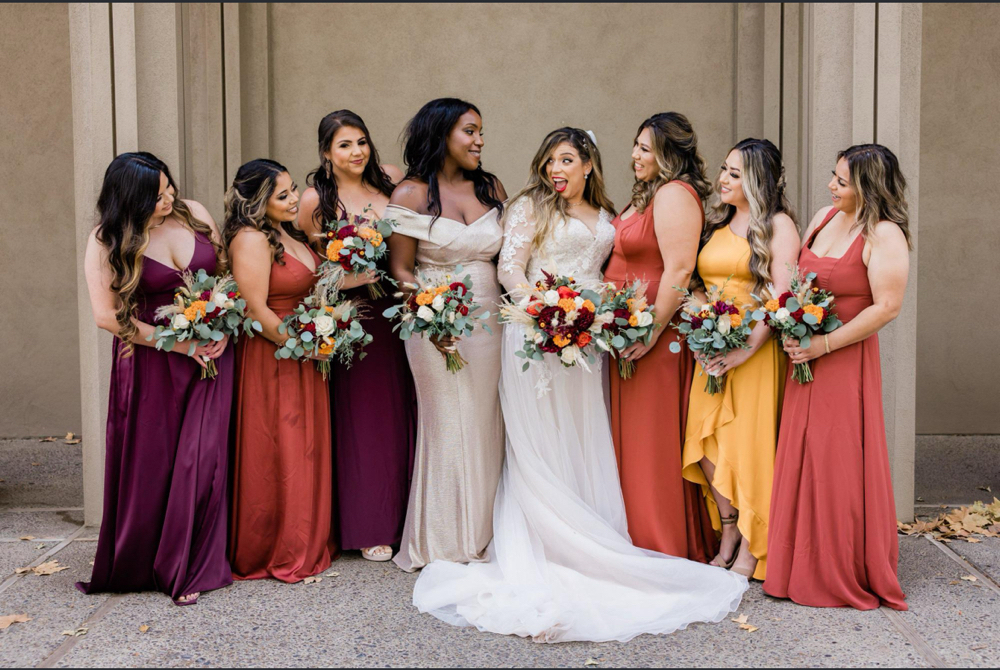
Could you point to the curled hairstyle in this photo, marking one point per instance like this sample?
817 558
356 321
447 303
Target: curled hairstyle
246 205
322 178
426 147
550 207
763 182
125 206
879 185
675 147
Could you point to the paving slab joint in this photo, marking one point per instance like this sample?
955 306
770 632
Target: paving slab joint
986 580
13 579
68 644
923 647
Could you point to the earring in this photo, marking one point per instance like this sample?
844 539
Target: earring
586 175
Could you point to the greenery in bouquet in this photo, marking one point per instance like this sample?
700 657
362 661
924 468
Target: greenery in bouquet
355 245
324 332
633 321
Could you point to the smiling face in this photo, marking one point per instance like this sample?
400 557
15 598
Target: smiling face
731 180
643 157
465 141
164 200
283 205
567 171
348 152
841 191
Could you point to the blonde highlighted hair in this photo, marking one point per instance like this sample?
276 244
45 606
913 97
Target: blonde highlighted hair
550 207
675 147
879 186
763 182
246 206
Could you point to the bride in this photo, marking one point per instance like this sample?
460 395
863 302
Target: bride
561 565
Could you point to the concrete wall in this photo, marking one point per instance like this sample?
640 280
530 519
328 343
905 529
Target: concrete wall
960 208
40 384
529 69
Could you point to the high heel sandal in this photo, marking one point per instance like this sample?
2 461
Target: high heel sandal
727 521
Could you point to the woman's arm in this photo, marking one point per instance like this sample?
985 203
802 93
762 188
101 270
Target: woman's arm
677 222
403 248
251 260
888 269
519 231
307 222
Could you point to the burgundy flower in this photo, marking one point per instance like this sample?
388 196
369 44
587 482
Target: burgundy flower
205 295
463 310
548 315
309 328
797 315
231 294
783 298
721 307
548 347
696 322
347 231
622 314
584 319
343 325
345 262
459 285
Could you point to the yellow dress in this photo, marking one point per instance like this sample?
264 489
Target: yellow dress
737 429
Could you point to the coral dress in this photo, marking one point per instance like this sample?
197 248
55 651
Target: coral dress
282 462
164 525
665 513
833 521
737 429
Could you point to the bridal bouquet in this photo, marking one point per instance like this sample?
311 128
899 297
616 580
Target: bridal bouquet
559 317
356 245
205 309
632 322
712 329
800 314
329 331
437 310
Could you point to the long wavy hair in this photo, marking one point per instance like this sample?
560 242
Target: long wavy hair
246 205
880 188
426 147
549 207
763 183
675 147
322 178
124 206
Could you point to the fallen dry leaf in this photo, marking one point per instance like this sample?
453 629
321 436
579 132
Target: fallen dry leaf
969 578
39 546
69 436
143 628
979 647
332 574
36 464
749 628
49 568
82 630
954 582
985 488
27 537
312 580
591 661
9 619
20 571
48 439
740 619
973 540
76 441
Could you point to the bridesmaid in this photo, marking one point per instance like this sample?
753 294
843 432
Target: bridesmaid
657 240
281 523
164 526
373 458
750 243
833 520
448 209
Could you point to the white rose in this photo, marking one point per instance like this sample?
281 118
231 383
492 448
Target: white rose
425 313
538 338
782 314
451 317
348 241
569 354
407 316
724 324
220 299
578 301
551 298
229 304
179 322
645 319
604 318
324 324
438 303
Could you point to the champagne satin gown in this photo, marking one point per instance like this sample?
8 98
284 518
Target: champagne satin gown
737 429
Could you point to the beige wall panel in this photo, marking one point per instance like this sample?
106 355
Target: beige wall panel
959 204
40 384
159 85
529 68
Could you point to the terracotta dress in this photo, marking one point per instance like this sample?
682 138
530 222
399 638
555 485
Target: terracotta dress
281 523
832 540
164 526
665 513
460 433
737 429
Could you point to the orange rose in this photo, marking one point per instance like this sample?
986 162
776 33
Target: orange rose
534 308
560 341
815 310
567 304
425 298
367 233
772 305
735 320
376 239
629 303
633 320
583 339
326 349
333 250
589 305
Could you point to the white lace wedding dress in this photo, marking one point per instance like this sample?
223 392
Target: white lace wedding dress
561 565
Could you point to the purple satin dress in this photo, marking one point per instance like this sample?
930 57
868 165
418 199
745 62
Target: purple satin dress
164 526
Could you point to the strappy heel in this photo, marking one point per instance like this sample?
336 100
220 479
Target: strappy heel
727 521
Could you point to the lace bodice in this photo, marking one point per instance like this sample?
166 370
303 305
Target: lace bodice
570 250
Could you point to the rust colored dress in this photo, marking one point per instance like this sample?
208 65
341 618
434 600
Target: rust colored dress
282 496
665 513
832 538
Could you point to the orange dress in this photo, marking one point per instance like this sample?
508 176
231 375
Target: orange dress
832 538
665 513
282 495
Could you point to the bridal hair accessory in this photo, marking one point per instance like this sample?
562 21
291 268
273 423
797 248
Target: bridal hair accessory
593 138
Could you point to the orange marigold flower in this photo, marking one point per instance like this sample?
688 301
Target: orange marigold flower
633 320
629 303
333 250
815 310
425 298
772 305
367 233
376 239
583 339
326 349
194 310
560 340
441 289
735 320
589 305
328 309
567 304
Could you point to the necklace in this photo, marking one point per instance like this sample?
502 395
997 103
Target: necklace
162 221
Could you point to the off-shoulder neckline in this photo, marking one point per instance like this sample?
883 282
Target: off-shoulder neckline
487 213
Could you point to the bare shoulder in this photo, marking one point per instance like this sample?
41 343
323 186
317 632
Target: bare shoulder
200 212
411 194
501 191
784 226
394 174
249 241
888 234
310 198
677 198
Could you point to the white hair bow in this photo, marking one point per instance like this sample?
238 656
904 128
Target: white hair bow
593 138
